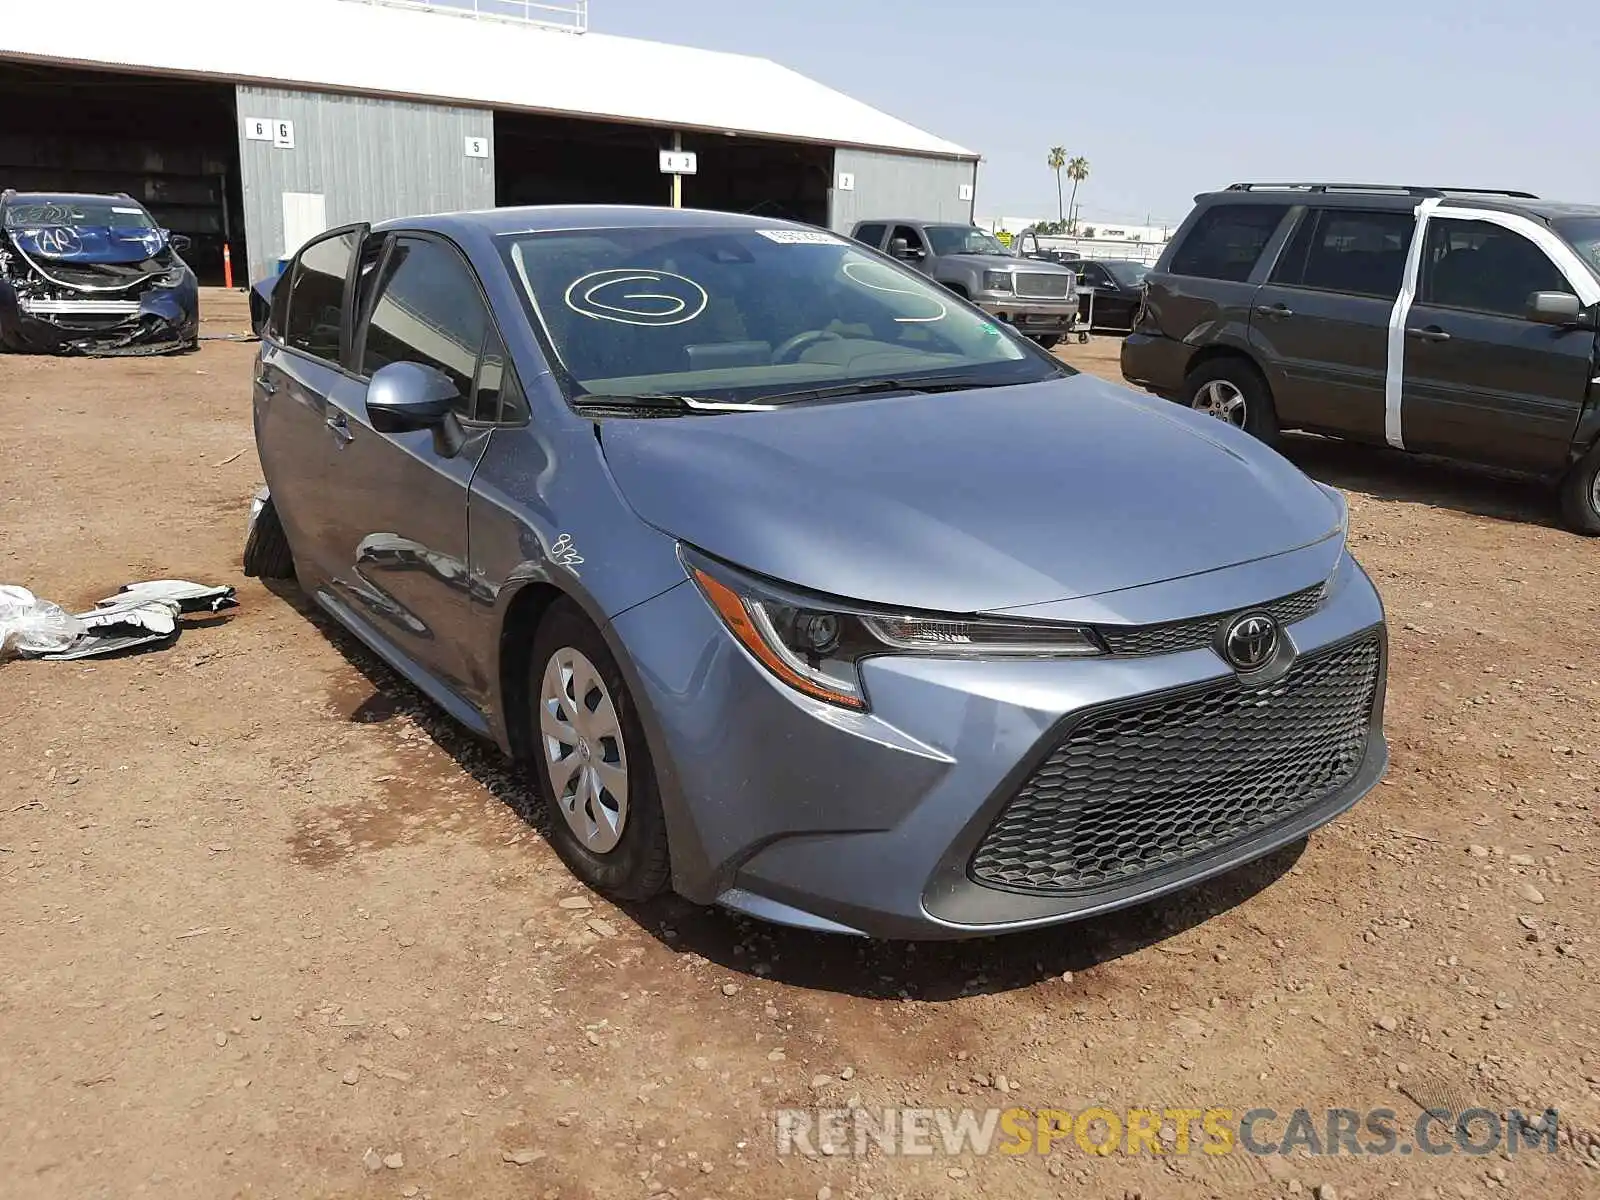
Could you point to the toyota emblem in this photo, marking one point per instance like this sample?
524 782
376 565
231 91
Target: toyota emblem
1250 641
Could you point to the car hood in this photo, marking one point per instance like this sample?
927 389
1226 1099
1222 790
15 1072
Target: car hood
99 244
969 501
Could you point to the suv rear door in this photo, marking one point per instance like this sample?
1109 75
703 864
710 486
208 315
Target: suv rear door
1481 381
1321 322
1210 277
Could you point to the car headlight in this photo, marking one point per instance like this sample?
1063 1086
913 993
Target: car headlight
815 644
997 281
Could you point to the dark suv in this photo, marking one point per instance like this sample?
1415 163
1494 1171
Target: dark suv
1448 321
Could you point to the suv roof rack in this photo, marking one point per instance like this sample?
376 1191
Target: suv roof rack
1404 189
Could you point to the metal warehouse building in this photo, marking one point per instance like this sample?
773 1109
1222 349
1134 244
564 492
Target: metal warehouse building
260 123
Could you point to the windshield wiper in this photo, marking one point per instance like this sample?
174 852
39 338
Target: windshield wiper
922 384
666 402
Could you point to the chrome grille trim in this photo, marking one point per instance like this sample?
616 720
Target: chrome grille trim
1041 286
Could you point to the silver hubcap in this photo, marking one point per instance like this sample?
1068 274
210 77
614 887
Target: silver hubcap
1594 495
583 750
1222 400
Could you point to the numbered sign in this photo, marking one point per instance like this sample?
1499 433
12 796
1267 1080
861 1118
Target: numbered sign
258 129
283 135
847 181
477 147
966 191
678 162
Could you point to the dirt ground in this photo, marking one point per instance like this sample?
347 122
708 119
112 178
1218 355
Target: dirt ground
270 926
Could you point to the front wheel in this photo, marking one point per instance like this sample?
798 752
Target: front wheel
266 548
1233 391
1048 341
1580 495
592 769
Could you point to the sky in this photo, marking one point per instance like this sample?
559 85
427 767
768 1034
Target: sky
1167 98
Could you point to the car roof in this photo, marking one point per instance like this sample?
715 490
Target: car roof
62 198
546 218
1393 197
913 221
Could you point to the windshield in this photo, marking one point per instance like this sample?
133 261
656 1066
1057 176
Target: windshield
107 213
742 313
1584 234
1128 274
963 239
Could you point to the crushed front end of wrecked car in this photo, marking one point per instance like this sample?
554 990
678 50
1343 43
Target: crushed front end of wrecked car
72 287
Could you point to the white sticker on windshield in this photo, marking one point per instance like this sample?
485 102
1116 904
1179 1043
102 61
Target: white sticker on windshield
136 212
800 237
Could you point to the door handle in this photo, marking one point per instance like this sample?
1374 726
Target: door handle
1430 334
1275 311
341 429
266 385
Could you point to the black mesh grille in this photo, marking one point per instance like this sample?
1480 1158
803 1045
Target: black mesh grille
1135 790
1197 632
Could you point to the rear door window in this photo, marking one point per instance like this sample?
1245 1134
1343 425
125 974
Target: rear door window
1354 251
316 320
871 235
1227 240
1483 267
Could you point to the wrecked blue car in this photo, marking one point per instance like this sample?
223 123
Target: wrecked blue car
92 275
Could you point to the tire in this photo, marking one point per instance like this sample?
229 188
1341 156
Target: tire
266 550
1048 341
1580 495
616 845
1233 391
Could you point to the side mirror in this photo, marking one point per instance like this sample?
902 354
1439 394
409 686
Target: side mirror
1554 308
261 303
179 241
901 248
406 396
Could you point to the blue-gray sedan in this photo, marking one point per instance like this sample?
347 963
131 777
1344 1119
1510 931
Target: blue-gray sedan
800 585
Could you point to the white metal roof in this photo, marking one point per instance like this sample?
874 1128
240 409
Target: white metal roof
331 44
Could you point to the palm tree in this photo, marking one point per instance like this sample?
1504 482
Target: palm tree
1077 171
1057 160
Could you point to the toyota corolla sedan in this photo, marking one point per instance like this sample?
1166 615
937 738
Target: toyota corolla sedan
798 584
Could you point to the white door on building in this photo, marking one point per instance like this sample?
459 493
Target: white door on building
305 215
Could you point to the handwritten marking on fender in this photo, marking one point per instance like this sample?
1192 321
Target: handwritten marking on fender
564 553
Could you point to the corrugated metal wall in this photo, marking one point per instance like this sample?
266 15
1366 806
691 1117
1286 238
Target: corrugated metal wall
370 159
901 185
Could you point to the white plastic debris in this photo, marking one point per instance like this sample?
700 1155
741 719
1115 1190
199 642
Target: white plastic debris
139 615
190 597
29 625
156 616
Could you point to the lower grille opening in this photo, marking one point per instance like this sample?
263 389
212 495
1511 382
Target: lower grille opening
1135 790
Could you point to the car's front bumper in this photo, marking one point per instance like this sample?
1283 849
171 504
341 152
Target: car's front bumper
1043 317
158 320
806 814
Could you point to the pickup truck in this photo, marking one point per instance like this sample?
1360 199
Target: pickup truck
1038 298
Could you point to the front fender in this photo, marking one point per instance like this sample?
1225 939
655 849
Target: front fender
545 518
